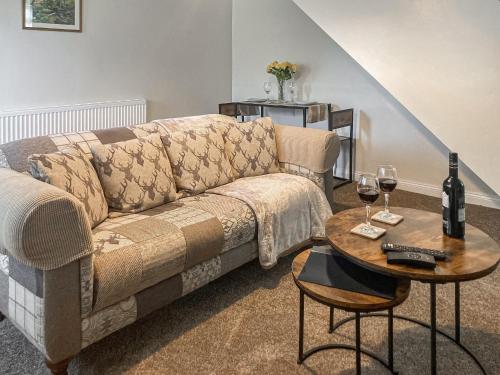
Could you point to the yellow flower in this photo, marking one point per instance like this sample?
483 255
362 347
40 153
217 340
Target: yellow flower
284 66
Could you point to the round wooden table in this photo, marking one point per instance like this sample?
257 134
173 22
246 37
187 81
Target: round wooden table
348 301
473 257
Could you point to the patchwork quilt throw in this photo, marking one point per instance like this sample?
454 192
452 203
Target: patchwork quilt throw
289 209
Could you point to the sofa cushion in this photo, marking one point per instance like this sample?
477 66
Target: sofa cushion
137 251
135 174
71 171
198 159
251 148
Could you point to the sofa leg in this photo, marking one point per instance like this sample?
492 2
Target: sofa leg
60 368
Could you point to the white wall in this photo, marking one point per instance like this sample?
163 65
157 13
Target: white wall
265 30
438 58
176 54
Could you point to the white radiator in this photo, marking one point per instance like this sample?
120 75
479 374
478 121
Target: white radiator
28 123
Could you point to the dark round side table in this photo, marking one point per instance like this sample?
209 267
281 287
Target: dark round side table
471 258
348 301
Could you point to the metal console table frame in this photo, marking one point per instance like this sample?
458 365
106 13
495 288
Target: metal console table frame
336 120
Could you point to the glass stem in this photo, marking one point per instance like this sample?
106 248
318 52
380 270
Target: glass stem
386 200
368 215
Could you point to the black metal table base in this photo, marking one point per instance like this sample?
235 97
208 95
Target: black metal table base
416 321
432 327
357 348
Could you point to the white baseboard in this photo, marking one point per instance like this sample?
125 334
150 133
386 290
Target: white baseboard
492 201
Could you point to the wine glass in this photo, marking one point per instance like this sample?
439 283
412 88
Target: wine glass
388 179
292 87
368 191
267 88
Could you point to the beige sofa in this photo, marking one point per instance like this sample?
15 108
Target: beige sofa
66 286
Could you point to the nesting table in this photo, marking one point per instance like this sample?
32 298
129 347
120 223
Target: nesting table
474 257
347 301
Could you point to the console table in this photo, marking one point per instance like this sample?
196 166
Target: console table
336 120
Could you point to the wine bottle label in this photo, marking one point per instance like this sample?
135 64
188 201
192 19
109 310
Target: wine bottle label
461 214
446 200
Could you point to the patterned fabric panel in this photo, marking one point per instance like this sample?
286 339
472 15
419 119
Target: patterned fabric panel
238 220
198 159
143 130
135 174
86 284
317 178
71 170
251 148
25 300
113 318
16 153
3 160
109 320
200 275
196 122
4 284
4 264
132 254
165 126
84 140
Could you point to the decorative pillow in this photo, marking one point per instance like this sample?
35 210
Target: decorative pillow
135 174
251 148
198 159
72 171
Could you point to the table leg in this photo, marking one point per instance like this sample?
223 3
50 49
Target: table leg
301 328
351 167
304 117
390 339
330 123
433 330
358 344
457 312
261 111
330 330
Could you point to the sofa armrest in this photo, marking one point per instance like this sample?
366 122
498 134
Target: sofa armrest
314 149
40 225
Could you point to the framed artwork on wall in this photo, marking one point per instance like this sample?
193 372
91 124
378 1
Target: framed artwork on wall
56 15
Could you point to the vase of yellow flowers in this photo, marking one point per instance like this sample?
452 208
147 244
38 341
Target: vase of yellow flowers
283 71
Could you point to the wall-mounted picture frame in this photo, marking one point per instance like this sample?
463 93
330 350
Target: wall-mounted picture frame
55 15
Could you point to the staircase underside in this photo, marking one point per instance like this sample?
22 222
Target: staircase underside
439 59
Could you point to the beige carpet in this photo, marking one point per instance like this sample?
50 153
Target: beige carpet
246 323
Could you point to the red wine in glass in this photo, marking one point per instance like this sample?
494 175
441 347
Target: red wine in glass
368 191
387 179
387 185
368 195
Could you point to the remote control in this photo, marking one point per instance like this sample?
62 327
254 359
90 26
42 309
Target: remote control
411 259
438 255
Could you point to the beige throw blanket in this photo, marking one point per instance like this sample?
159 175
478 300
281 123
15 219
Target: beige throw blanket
289 210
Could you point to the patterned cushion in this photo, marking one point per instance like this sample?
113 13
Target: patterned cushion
71 170
135 174
251 148
198 159
137 251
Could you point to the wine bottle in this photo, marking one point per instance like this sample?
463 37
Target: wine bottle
453 201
